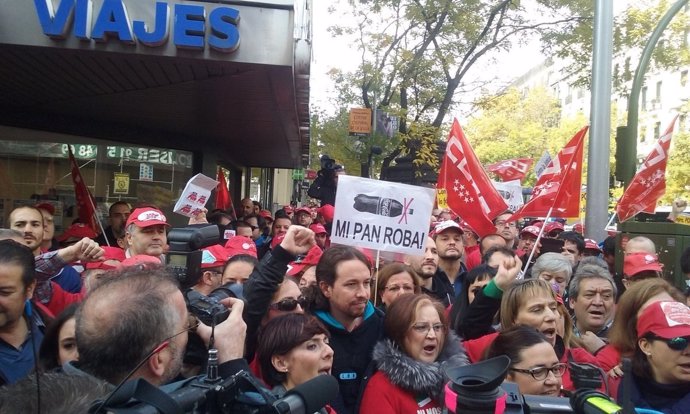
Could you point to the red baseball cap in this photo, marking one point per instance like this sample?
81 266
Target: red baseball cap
318 228
664 319
445 225
579 228
326 211
47 207
111 259
288 209
240 245
635 263
143 260
554 225
266 215
303 210
311 259
214 256
77 231
147 217
592 245
533 230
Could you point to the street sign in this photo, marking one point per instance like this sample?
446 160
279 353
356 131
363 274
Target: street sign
298 175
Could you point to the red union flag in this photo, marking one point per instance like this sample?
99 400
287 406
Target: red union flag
223 200
85 205
559 185
649 184
469 190
510 170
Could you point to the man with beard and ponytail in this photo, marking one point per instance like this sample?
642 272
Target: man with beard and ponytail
342 303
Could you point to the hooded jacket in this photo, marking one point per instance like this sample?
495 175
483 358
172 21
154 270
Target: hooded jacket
406 385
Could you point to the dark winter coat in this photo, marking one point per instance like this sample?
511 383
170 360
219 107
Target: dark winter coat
406 385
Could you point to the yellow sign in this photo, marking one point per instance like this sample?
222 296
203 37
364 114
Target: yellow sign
442 198
360 121
121 181
683 219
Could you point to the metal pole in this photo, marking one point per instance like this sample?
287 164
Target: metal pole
596 214
638 82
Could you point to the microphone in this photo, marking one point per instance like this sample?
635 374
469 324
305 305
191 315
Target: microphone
308 397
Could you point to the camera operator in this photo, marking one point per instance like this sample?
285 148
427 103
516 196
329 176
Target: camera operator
140 316
326 183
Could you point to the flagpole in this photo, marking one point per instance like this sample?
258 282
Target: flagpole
521 275
376 284
94 215
100 225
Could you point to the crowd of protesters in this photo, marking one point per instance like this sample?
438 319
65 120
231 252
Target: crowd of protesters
92 311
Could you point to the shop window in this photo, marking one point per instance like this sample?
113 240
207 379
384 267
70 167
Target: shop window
32 171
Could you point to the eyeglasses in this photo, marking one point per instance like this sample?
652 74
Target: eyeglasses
540 373
288 304
678 343
424 328
398 288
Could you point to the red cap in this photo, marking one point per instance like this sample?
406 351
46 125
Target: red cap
147 217
240 245
579 228
592 245
326 211
141 259
445 225
288 209
635 263
303 210
664 319
47 207
533 230
554 225
214 256
77 231
113 255
311 259
266 214
277 240
318 228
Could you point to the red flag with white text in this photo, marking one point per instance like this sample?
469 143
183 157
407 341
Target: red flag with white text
470 193
560 184
649 184
509 170
86 207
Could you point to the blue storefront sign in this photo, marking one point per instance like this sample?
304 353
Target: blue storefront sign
187 22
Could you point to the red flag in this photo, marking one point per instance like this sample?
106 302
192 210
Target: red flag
223 200
469 190
510 170
559 185
85 204
649 184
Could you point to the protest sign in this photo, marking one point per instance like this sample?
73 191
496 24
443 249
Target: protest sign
511 191
382 215
195 195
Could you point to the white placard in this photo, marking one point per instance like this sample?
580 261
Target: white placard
541 165
195 195
382 215
511 191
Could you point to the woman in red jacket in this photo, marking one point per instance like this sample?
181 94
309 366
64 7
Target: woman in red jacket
533 303
409 377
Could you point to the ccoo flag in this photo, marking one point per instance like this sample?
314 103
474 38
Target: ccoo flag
470 193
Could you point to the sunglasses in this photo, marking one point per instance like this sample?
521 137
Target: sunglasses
288 304
678 343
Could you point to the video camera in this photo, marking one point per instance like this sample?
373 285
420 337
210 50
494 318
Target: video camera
480 389
184 257
238 394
